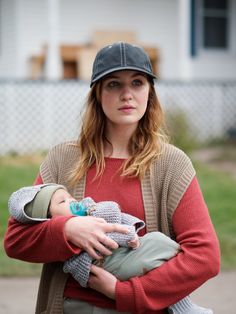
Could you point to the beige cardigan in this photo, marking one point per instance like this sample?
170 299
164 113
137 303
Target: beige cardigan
162 189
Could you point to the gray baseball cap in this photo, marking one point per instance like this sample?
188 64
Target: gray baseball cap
120 56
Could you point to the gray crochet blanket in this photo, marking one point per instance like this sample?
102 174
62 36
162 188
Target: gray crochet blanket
79 265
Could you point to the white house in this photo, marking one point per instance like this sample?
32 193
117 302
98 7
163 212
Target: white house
191 43
195 39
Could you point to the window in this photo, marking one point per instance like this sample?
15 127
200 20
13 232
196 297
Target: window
210 25
215 23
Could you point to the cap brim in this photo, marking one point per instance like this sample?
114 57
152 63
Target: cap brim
121 69
42 200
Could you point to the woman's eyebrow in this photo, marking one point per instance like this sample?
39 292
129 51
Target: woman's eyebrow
138 74
111 77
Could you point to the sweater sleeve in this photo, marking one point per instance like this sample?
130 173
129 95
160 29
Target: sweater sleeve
30 242
198 261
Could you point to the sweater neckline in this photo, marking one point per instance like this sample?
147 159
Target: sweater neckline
114 159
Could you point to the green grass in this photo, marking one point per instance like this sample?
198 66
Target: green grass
15 172
219 192
218 189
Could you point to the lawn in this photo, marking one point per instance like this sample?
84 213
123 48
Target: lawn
219 192
15 172
218 189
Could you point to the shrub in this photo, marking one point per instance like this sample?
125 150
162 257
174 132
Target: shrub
179 131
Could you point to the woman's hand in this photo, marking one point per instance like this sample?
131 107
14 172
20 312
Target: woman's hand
89 234
102 281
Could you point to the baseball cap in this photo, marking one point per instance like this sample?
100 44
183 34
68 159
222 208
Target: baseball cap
120 56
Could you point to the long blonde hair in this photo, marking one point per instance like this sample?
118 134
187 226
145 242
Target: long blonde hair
145 144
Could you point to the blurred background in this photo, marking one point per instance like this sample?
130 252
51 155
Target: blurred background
47 48
46 52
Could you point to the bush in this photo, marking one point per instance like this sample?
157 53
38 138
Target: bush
179 131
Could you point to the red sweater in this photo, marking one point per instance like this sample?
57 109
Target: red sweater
157 289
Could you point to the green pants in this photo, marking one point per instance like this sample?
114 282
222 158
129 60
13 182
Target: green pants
155 248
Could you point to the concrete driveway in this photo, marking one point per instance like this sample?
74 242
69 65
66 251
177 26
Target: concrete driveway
18 295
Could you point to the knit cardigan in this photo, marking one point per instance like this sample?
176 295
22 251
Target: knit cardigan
162 189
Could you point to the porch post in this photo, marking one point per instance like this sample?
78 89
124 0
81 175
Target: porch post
53 65
185 68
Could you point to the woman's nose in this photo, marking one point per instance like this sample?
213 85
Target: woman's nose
126 94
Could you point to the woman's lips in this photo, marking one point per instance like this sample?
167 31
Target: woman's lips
126 109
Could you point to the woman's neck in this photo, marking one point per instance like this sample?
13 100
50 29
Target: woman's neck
118 142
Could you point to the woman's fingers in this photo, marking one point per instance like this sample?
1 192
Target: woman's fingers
102 281
89 234
94 254
101 220
108 242
115 228
98 250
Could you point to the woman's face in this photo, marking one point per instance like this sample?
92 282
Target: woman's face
124 97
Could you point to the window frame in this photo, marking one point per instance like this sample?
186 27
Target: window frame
217 13
197 24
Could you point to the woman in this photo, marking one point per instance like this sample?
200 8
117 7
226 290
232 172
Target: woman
121 155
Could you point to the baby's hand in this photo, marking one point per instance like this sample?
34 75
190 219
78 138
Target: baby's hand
134 243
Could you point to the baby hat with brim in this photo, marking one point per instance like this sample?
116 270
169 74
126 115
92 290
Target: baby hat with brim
30 204
38 207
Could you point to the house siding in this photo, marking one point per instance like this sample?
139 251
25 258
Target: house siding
156 23
8 43
209 63
31 31
153 21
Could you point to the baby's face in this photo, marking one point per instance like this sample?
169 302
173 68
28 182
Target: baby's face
61 200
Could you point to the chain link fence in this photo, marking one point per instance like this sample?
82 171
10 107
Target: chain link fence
36 115
209 107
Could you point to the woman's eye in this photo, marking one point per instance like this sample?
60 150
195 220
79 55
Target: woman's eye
137 82
113 84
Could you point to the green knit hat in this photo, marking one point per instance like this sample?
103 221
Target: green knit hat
38 207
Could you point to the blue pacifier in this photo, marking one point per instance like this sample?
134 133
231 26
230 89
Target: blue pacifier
78 209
